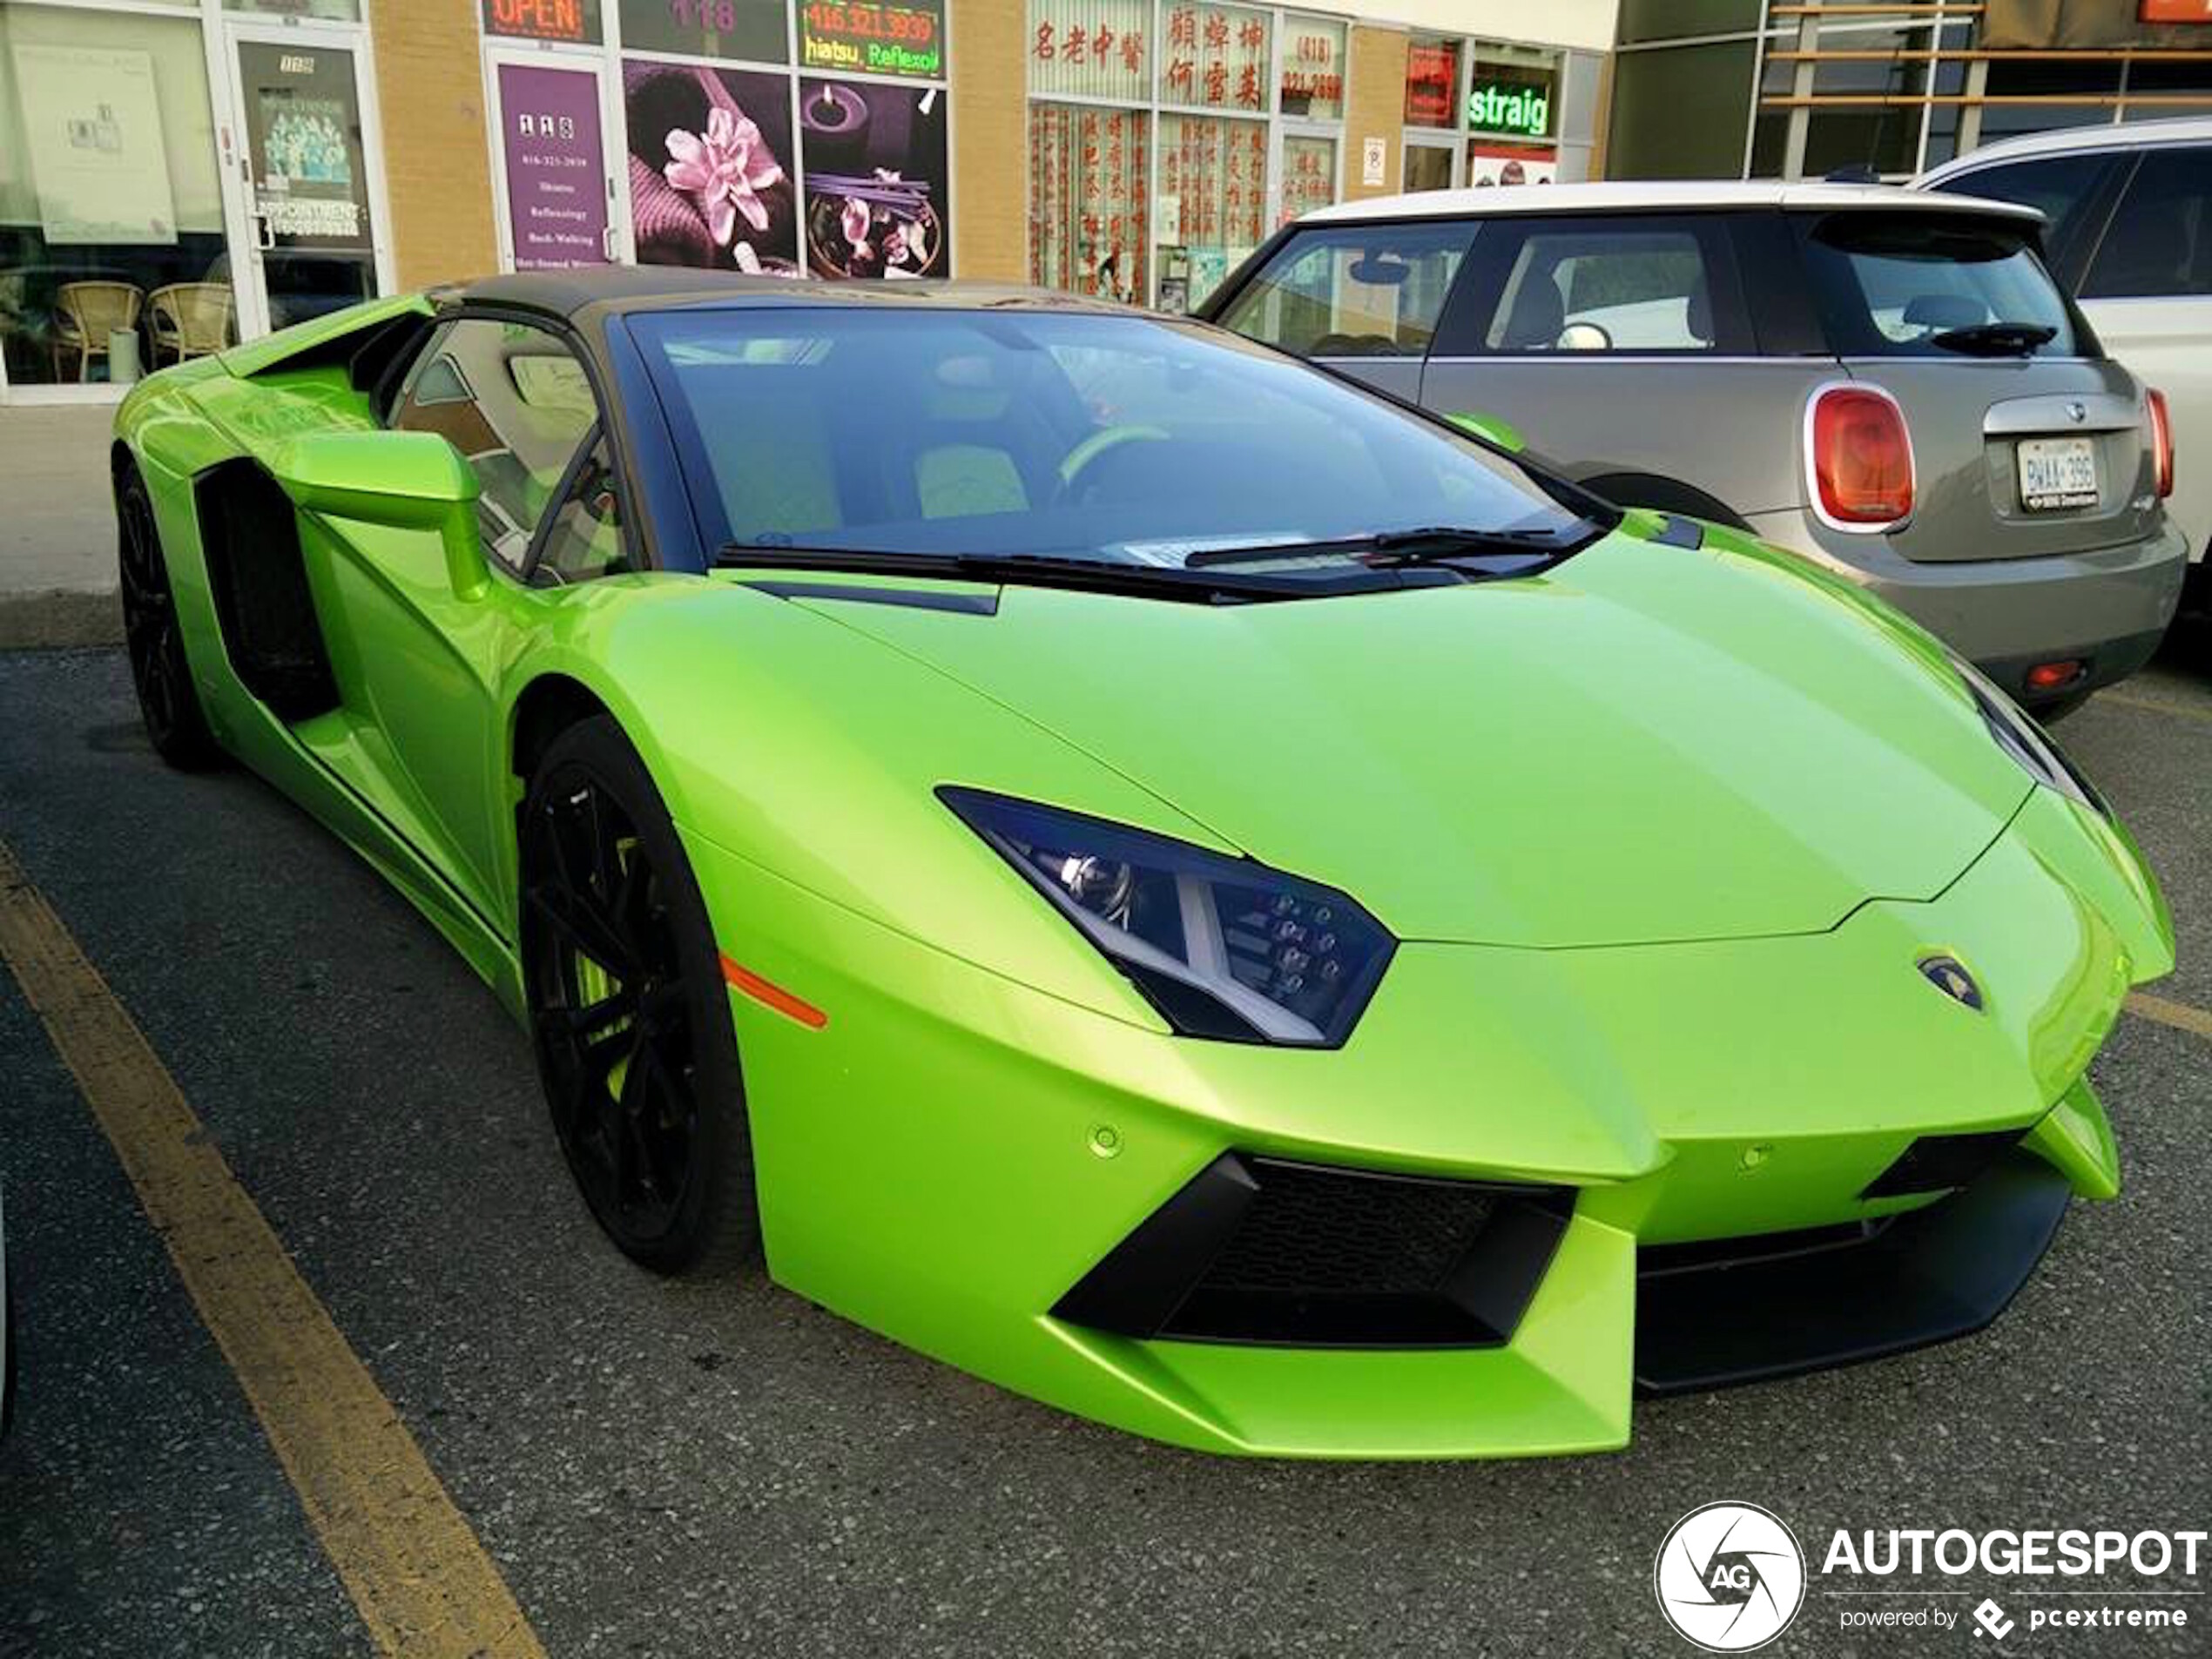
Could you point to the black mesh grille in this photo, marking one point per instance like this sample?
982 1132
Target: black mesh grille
1324 1230
1258 1250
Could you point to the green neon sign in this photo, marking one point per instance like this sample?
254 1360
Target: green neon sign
1511 106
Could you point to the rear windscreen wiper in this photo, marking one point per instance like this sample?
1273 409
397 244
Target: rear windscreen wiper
1044 570
1523 549
1995 338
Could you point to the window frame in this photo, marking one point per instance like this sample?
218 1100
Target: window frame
1462 331
603 425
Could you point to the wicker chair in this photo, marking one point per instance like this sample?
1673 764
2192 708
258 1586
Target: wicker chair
189 319
85 313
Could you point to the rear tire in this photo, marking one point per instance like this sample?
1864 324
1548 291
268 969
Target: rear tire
160 669
629 1011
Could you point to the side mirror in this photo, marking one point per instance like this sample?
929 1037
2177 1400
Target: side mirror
1490 429
1584 336
413 481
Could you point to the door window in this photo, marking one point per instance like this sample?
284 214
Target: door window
307 168
516 402
2063 187
1604 284
584 539
2161 240
1357 291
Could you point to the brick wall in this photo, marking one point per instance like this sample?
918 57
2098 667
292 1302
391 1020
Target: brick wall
989 42
437 161
1374 106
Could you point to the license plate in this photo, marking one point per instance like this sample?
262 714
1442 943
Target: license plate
2057 472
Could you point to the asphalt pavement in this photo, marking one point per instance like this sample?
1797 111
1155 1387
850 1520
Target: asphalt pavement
680 1469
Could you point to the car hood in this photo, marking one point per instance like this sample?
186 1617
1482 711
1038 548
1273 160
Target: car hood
1645 744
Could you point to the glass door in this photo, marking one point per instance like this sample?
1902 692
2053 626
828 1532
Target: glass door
556 191
302 165
1431 163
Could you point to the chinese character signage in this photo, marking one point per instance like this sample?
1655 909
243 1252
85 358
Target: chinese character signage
1215 58
756 30
873 37
564 20
556 195
1091 49
1309 175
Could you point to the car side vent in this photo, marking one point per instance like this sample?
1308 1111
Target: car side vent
249 532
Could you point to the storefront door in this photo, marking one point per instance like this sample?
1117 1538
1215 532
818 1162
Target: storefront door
556 190
302 158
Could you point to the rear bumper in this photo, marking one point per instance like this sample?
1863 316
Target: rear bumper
2109 608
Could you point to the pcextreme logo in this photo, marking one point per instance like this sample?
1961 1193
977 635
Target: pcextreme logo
1729 1577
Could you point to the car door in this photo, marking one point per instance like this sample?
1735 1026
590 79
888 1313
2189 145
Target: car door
1363 299
1620 347
2148 292
423 666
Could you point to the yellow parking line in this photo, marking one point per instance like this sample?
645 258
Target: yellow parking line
2155 705
421 1580
2180 1016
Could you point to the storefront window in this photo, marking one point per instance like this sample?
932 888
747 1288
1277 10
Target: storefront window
756 31
111 202
1089 170
320 10
1309 174
1312 75
1213 199
1156 165
1433 84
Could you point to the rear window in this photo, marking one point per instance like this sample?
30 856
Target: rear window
1923 284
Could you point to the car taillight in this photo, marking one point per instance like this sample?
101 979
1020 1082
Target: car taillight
1861 456
2161 441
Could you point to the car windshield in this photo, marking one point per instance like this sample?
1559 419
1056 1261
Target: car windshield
1928 284
1130 440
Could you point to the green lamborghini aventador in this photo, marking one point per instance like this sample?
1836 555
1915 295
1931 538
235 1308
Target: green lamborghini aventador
1174 882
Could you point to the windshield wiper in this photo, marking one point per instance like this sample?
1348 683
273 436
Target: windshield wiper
1995 338
1434 544
1045 571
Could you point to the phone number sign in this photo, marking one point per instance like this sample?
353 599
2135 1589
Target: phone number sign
873 37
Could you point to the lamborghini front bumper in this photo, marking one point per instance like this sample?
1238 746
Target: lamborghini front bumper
1680 1142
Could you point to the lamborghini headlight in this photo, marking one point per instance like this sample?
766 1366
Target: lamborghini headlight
1223 947
2018 736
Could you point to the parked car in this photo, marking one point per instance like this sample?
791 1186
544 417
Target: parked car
2130 232
1009 812
1886 380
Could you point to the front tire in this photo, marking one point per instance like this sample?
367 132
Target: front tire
629 1012
160 670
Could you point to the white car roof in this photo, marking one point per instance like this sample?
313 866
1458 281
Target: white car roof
2130 135
1489 201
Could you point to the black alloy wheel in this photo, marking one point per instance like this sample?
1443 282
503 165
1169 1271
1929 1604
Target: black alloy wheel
168 701
629 1011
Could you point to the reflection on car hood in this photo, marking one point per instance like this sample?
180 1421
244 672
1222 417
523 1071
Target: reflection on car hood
1646 744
